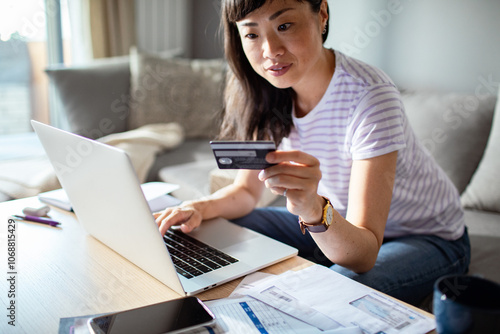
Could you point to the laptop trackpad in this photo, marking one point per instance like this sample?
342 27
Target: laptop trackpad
220 233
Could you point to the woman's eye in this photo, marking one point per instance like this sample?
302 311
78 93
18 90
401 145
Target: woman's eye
251 36
284 26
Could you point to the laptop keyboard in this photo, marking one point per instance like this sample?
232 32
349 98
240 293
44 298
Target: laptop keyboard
193 258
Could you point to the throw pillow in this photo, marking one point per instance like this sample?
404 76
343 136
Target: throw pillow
185 91
483 192
94 97
453 127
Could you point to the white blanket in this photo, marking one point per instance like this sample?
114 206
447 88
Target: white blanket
27 177
144 143
30 176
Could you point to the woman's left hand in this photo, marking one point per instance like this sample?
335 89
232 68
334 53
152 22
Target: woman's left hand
299 174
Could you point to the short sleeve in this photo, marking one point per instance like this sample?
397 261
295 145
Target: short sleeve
376 125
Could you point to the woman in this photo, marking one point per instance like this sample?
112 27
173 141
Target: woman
366 194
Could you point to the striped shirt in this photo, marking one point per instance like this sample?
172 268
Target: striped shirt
361 116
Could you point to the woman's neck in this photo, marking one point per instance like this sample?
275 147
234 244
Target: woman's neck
310 91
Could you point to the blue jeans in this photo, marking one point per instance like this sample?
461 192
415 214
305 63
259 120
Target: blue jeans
406 267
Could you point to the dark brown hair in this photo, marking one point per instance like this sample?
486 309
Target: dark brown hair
253 108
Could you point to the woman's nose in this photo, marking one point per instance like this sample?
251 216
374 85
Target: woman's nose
272 47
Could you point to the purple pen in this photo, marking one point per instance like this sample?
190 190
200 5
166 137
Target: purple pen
39 220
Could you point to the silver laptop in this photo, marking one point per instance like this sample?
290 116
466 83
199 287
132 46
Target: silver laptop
106 196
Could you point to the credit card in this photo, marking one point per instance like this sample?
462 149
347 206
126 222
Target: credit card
242 154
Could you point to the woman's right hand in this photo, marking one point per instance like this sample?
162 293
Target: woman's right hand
232 201
186 216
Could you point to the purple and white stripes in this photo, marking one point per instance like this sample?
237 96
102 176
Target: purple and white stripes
361 116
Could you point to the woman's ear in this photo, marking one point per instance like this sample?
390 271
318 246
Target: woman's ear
324 14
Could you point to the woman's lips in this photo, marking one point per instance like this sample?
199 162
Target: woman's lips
278 70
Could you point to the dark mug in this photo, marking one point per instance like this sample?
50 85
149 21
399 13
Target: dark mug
466 304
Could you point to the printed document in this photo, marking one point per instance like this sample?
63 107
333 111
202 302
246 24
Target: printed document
248 315
330 295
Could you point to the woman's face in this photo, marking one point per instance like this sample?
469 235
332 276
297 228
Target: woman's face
282 41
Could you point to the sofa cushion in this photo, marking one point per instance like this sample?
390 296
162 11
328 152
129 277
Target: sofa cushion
191 177
94 97
192 149
483 192
453 127
185 91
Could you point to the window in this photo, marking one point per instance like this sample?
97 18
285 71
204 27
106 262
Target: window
24 46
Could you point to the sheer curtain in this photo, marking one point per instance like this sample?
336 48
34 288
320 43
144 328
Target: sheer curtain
164 25
101 28
112 27
107 28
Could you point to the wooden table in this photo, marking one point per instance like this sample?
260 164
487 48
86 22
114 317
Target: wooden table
63 272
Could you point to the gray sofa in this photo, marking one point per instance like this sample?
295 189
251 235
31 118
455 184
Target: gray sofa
461 131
